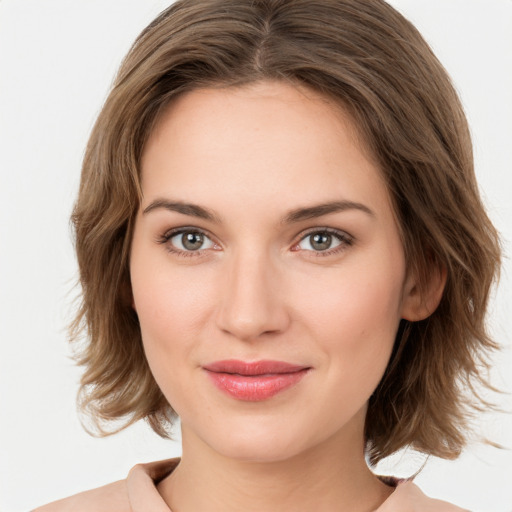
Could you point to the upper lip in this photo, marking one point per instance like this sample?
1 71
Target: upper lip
263 367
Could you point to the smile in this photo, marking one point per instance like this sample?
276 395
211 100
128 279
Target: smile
255 381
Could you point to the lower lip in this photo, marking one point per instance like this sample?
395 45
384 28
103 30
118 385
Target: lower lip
255 388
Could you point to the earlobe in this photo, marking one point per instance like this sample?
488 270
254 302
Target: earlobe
418 304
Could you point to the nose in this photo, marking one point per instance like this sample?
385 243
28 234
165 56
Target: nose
252 299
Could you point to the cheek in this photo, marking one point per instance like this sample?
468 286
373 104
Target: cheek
168 301
170 310
170 305
355 318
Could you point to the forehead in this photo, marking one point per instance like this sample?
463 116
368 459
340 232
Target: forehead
260 104
266 142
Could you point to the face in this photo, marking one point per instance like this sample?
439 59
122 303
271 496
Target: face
267 270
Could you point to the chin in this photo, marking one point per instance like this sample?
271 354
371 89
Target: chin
265 451
264 441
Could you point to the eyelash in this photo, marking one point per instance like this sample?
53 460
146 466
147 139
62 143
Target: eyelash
166 237
345 240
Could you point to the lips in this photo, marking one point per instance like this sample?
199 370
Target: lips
254 381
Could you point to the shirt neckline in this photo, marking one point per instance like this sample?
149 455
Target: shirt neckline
143 479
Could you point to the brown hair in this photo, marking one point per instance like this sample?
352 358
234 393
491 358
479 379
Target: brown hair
373 62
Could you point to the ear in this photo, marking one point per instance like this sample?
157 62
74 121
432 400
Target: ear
417 303
126 294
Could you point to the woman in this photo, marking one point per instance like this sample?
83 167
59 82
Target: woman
280 240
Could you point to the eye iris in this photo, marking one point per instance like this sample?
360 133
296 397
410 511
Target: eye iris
192 241
321 241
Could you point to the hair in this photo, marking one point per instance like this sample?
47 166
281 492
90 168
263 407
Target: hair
369 59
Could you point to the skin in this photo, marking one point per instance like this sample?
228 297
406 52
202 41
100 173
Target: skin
258 288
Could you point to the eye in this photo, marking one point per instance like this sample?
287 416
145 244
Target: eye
188 240
324 241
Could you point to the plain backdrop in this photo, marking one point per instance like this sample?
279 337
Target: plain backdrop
57 61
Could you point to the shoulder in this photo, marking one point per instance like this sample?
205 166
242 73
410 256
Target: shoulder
109 498
409 498
137 493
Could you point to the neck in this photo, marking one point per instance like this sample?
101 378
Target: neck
331 477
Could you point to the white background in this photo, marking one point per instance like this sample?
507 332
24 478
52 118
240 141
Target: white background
57 60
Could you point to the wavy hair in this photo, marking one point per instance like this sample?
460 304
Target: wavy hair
367 57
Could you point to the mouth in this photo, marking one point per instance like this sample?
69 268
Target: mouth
254 381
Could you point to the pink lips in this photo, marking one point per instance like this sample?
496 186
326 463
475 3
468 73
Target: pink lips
255 381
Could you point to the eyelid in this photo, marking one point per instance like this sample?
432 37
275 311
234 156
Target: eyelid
165 238
345 240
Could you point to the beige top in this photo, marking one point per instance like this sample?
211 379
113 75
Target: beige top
138 493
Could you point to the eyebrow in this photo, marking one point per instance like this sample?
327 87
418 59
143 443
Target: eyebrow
193 210
312 212
296 215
